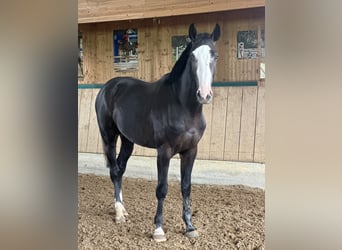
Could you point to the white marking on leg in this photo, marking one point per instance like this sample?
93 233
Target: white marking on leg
123 208
120 212
159 231
120 195
159 235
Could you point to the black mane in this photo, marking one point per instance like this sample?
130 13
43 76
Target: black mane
179 66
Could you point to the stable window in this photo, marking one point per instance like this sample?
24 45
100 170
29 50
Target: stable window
262 43
80 55
179 44
125 44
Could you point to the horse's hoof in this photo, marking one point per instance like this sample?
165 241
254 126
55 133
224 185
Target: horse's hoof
159 238
120 219
120 213
159 235
192 234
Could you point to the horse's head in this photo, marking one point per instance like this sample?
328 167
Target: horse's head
203 60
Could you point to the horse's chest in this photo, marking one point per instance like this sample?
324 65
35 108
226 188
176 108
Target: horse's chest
187 139
178 131
191 136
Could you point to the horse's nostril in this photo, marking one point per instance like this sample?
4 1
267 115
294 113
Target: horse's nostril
208 98
199 94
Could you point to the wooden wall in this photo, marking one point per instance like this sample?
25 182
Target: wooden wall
235 119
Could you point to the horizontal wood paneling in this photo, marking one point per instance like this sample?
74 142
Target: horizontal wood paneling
90 11
235 126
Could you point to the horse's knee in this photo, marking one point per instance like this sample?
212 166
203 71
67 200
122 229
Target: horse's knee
161 191
186 189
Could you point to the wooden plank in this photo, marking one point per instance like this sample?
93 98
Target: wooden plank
150 152
83 125
233 123
93 134
259 150
79 105
164 50
247 132
104 11
138 150
141 52
89 53
147 55
99 145
224 54
217 139
101 54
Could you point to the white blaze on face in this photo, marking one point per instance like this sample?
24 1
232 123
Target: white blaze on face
203 71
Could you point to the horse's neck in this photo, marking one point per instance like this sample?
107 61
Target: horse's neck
186 90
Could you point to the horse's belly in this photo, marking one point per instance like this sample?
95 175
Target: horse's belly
147 144
138 136
135 128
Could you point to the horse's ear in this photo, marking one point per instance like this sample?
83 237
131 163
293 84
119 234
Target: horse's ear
216 33
192 32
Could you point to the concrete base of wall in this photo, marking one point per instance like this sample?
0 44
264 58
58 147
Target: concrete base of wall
204 171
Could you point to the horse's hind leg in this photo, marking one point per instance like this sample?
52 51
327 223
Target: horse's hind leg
116 174
109 134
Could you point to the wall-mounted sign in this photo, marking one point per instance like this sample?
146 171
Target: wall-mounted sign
247 44
262 71
125 44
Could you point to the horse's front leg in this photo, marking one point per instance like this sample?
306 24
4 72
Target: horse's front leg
163 161
187 162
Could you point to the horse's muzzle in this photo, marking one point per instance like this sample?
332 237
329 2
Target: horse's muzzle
204 99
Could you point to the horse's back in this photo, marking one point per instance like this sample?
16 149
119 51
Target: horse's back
116 89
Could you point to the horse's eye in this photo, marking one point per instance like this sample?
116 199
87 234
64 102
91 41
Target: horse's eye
214 54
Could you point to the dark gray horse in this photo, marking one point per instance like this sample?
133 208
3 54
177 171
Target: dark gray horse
166 115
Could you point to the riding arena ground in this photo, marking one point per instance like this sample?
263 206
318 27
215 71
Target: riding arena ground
226 217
